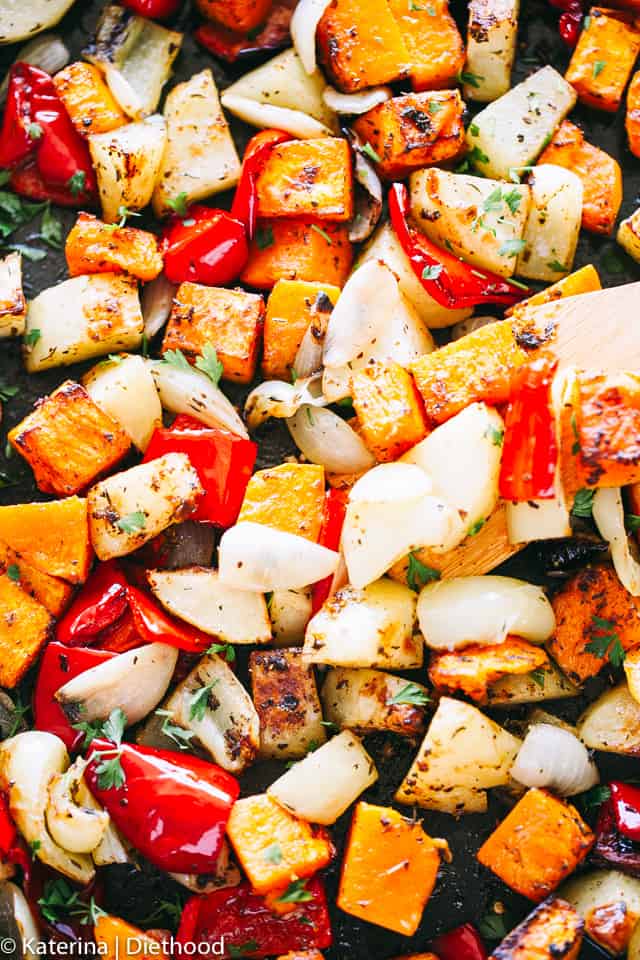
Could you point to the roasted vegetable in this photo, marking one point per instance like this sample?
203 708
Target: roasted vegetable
114 383
612 723
433 42
88 100
292 249
367 700
307 178
553 929
95 247
13 306
609 904
389 410
127 162
53 536
25 626
293 308
289 497
491 48
553 223
604 57
471 670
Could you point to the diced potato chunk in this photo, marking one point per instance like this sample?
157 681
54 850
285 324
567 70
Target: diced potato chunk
123 387
629 235
368 700
553 225
13 306
286 697
491 48
612 723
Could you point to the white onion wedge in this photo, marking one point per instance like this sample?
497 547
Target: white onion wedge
20 21
135 682
74 826
304 23
454 613
192 392
125 389
290 612
123 92
608 513
157 300
354 104
325 438
253 556
360 312
553 757
267 115
275 398
308 359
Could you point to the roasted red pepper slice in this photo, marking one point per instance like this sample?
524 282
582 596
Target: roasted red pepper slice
60 664
245 201
205 246
242 918
156 626
155 9
101 602
463 943
625 801
529 453
272 35
223 461
451 282
27 182
335 507
12 849
172 808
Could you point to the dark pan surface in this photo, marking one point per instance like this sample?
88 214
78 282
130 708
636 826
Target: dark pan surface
465 890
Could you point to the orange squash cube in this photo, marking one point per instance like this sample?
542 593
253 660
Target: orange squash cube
298 250
51 592
389 410
476 367
553 929
436 49
95 247
119 940
240 16
389 869
413 131
604 57
632 119
539 843
25 626
600 174
229 320
289 497
471 670
88 100
69 441
53 537
291 307
274 847
307 178
584 280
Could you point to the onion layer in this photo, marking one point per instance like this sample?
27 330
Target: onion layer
192 392
608 513
553 757
255 557
268 115
360 313
275 398
354 104
455 613
304 23
324 438
157 300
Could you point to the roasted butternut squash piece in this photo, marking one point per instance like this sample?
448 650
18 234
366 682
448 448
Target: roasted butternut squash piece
590 607
430 34
289 497
302 955
584 280
274 847
241 16
298 250
417 956
53 537
604 57
68 441
476 367
96 247
51 592
361 44
389 869
470 671
292 306
600 174
25 626
632 119
230 321
414 130
88 100
119 940
307 178
539 843
390 412
285 695
554 929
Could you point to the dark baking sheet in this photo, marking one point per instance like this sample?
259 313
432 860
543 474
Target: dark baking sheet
465 890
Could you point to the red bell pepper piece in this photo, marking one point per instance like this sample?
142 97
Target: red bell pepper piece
155 9
335 507
625 801
529 453
36 122
12 849
242 919
101 602
60 664
206 246
173 809
245 201
156 626
27 182
450 281
274 34
463 943
223 461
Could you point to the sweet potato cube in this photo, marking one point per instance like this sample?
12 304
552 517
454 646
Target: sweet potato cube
600 174
53 537
361 45
291 307
307 178
119 940
470 671
274 847
591 606
436 49
539 843
96 247
51 592
389 869
241 16
477 367
584 280
414 130
632 119
88 100
297 250
25 625
604 57
554 929
389 409
68 441
229 320
289 497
